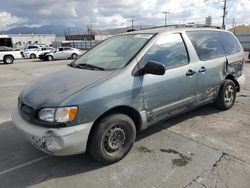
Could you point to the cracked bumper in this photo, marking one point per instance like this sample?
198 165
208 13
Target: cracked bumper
57 141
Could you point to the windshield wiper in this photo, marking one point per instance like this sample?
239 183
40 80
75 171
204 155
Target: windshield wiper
83 65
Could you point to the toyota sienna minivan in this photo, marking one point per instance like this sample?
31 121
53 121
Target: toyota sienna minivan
127 83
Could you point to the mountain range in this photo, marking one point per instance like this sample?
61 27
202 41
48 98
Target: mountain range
60 30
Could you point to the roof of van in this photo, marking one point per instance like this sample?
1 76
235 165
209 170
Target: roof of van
172 28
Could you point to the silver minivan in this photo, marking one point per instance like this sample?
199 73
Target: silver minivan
127 83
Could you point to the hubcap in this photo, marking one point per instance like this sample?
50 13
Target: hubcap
229 95
8 60
114 139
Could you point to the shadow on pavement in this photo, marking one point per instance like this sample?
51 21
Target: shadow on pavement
165 124
17 155
18 165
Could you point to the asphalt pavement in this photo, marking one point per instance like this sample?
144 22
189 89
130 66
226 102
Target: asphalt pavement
206 147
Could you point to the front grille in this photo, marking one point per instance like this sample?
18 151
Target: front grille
27 112
30 114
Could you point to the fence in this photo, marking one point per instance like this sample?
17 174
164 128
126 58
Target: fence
244 39
84 45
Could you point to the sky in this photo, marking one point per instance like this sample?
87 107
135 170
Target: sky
105 14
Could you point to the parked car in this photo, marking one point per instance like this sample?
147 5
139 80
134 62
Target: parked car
61 53
127 84
9 55
34 53
32 48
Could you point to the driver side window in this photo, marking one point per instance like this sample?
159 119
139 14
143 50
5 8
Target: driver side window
168 50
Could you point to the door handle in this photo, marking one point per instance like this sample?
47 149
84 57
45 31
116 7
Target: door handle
203 69
190 72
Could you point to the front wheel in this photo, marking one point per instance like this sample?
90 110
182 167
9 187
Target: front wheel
50 58
74 56
113 138
32 56
227 95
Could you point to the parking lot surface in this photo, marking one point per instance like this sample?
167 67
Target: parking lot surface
206 147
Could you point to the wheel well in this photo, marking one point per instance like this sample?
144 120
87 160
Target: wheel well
231 77
129 111
8 55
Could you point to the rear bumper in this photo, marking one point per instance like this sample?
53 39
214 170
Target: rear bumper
57 141
241 80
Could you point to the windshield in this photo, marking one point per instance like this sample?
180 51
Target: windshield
115 52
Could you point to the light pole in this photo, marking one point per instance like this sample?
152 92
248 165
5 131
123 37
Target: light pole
166 17
224 14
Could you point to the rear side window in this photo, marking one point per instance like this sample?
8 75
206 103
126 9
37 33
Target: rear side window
168 50
206 44
230 44
67 49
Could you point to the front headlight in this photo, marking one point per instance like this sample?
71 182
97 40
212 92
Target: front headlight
58 115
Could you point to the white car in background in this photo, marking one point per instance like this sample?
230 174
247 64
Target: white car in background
62 53
34 53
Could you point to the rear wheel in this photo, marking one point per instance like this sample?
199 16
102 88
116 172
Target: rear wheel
227 95
32 56
8 59
112 139
74 56
50 58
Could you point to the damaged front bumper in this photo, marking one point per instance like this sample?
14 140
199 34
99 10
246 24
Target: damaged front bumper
54 141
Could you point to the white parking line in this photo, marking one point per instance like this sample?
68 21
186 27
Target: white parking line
23 165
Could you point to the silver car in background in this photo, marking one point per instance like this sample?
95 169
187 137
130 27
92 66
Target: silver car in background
62 53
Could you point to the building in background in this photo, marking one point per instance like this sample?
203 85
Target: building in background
81 41
80 37
242 32
23 40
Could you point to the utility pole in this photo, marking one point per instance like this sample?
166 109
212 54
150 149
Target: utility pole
166 17
224 14
234 25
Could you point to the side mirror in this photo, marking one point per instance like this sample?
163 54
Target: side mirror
151 67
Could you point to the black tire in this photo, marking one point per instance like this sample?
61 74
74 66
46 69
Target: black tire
74 56
32 56
112 139
50 58
227 95
8 59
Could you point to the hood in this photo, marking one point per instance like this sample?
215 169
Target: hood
51 89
